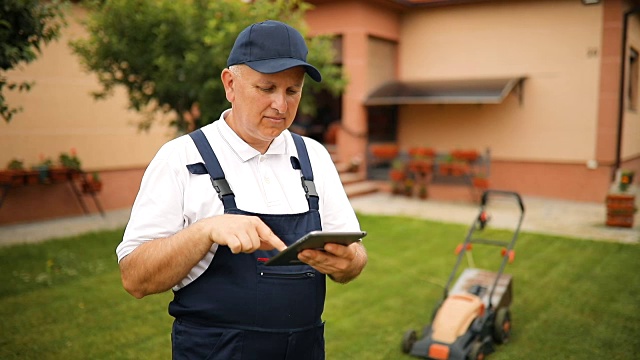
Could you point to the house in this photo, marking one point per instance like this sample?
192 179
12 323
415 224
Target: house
545 87
538 83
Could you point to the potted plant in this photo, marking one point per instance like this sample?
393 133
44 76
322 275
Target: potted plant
446 165
422 152
15 164
423 192
621 210
70 160
58 173
465 155
92 183
13 175
480 181
384 151
621 200
397 175
71 163
41 169
421 160
408 186
626 180
459 167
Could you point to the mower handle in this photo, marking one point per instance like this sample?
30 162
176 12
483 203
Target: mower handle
485 197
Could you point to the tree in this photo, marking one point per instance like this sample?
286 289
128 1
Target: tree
168 54
24 26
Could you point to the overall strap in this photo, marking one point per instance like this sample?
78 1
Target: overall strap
307 173
214 169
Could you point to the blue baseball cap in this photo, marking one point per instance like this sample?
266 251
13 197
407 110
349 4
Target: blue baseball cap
270 47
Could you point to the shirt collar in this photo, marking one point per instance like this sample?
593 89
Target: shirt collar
241 148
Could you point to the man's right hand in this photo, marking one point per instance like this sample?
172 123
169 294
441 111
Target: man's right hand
241 233
158 265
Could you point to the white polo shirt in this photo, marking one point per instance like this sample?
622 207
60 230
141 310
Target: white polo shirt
170 198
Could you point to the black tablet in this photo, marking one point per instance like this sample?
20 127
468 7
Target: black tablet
313 240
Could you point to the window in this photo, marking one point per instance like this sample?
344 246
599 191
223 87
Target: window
632 94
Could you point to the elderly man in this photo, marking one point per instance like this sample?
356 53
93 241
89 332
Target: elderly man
270 187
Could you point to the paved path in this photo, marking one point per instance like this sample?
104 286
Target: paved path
566 218
555 217
34 232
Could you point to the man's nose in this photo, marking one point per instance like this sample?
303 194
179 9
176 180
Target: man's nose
280 103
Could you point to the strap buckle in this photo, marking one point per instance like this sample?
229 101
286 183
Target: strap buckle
309 188
222 187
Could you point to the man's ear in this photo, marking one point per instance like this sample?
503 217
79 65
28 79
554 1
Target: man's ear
228 82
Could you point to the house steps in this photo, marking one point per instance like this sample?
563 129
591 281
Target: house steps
356 184
361 188
354 181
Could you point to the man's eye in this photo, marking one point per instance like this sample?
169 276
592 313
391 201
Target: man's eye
263 89
292 92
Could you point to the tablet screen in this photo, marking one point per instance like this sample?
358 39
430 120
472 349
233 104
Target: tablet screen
314 240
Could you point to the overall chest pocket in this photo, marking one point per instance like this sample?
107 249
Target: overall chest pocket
289 296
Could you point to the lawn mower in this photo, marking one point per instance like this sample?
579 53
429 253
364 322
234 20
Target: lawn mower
473 316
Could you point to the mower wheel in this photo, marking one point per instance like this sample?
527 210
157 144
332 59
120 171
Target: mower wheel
410 337
502 326
476 352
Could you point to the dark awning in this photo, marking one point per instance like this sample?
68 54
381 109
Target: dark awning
470 91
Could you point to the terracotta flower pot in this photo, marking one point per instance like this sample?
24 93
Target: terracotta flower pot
422 152
465 155
444 169
408 191
481 183
459 169
423 193
420 166
384 151
396 175
43 173
31 177
91 187
12 177
58 174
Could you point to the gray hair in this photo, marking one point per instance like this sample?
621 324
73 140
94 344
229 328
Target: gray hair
236 70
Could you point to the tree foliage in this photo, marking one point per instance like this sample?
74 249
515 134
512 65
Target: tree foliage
24 26
168 54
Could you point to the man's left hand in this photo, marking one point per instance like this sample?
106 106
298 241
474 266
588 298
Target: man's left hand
341 263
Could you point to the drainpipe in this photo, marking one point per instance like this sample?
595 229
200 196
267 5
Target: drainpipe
623 62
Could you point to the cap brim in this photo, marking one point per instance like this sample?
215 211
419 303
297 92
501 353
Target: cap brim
271 66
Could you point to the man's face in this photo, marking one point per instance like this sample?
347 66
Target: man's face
263 105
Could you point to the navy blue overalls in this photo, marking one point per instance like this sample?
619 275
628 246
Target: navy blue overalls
239 308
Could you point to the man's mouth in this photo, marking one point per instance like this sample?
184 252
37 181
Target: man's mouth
275 118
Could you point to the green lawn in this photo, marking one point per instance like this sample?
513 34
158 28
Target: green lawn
573 299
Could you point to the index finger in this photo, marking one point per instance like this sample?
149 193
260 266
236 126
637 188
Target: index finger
267 237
